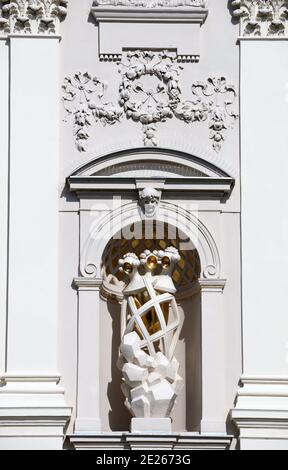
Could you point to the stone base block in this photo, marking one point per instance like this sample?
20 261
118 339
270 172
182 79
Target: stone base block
158 425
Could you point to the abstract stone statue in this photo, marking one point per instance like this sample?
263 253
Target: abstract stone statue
150 331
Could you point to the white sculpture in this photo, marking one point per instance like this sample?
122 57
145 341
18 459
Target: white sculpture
149 199
150 331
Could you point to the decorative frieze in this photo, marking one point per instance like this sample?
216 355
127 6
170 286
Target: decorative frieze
83 99
151 3
212 101
31 16
149 94
262 18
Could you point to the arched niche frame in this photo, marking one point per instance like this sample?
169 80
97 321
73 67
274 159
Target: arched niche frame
176 176
186 222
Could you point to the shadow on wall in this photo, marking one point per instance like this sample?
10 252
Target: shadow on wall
231 9
119 416
191 335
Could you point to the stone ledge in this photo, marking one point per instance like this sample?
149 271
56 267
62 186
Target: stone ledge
130 441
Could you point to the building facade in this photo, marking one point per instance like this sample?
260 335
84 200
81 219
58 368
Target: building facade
137 195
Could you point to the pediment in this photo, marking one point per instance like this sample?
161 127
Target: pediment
149 169
162 169
143 163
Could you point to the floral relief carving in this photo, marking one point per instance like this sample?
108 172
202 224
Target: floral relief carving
82 99
142 103
31 16
213 100
151 3
262 17
149 94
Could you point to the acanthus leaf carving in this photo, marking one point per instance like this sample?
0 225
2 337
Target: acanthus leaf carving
262 18
148 103
31 16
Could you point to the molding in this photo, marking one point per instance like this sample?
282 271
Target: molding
17 377
110 57
33 36
164 158
261 410
158 15
216 187
129 441
84 283
180 58
212 285
150 4
178 19
31 17
38 390
261 39
172 147
264 379
258 18
189 224
33 427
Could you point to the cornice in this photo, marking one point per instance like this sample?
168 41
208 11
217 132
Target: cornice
31 17
178 18
86 283
262 18
218 186
151 3
136 14
212 285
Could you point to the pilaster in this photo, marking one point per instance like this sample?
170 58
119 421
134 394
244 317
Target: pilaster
264 144
214 412
88 393
4 179
30 394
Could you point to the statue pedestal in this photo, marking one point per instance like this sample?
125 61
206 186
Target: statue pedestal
161 425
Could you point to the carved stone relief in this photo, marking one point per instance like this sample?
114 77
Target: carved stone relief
149 105
213 100
262 17
84 101
149 94
151 3
31 16
149 199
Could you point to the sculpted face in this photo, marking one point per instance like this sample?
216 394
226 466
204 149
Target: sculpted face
149 201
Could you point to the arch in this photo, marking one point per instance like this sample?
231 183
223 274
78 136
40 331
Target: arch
173 162
182 219
186 272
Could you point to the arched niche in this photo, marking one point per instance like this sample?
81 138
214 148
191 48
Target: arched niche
102 229
181 177
186 414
